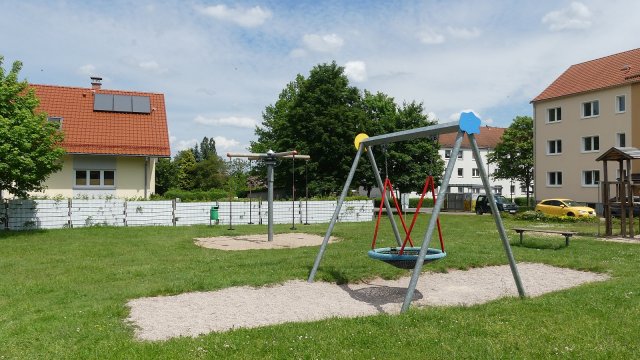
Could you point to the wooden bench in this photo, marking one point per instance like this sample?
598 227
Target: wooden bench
565 233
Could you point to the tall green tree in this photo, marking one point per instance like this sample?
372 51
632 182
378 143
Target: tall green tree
166 175
513 155
318 116
185 163
30 148
409 162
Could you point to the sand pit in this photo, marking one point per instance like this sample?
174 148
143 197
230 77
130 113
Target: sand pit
249 242
193 314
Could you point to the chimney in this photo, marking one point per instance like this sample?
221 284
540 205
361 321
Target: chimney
96 82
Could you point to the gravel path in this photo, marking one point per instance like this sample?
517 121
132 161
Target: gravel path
192 314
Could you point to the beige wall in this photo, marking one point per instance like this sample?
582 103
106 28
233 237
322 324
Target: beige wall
572 162
129 181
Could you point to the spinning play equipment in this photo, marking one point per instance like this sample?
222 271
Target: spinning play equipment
269 159
468 124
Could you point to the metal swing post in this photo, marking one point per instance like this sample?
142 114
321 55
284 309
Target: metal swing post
496 215
334 218
432 223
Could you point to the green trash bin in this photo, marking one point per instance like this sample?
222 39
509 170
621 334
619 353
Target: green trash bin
213 214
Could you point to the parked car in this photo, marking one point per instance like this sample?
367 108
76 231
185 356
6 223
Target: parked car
616 208
563 207
503 204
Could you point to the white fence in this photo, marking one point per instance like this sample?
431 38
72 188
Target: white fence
54 214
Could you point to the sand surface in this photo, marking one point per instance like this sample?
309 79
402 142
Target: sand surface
247 242
192 314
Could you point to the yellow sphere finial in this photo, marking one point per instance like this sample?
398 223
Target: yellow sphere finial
359 138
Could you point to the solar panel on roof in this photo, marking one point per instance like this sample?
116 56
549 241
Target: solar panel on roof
122 103
103 102
141 104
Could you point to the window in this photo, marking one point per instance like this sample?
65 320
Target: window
590 178
475 172
591 143
95 178
590 109
554 147
475 190
554 115
460 172
56 120
512 189
460 189
554 178
447 154
621 139
621 105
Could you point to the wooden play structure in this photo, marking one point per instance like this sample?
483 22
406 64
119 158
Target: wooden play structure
623 189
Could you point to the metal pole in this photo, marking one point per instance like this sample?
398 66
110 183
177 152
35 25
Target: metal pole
496 216
376 174
293 193
432 223
250 186
270 164
306 196
343 195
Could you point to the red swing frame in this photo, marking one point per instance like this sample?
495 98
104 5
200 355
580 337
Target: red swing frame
387 185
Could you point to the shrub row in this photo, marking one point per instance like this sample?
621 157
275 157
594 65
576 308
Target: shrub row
536 216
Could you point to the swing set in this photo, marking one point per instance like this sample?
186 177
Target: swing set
408 257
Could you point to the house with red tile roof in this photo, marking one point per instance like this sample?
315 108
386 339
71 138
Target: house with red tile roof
113 139
587 110
466 177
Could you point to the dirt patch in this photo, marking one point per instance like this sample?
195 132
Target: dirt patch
248 242
193 314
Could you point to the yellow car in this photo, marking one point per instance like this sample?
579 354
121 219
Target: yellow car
563 207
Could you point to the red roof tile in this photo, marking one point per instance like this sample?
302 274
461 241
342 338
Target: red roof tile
609 71
488 138
96 132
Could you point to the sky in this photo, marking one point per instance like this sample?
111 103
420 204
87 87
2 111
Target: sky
220 64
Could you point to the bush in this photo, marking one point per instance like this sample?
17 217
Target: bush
522 201
413 202
193 196
537 216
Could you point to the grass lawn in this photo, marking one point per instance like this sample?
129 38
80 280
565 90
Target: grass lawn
63 295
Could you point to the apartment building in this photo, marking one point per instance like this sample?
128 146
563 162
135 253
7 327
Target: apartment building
583 113
466 176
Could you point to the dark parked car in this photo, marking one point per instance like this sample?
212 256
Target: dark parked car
616 208
503 204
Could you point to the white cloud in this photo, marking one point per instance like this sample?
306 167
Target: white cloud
152 66
87 69
235 121
431 37
323 43
356 70
250 17
180 145
463 33
576 16
223 143
456 116
297 53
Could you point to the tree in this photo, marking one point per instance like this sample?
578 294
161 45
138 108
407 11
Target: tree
409 162
318 116
30 148
185 163
166 175
513 155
